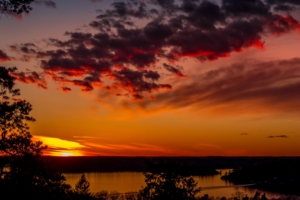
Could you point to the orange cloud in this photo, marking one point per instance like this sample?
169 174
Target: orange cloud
134 149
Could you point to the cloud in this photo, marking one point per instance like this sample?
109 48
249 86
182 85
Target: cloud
3 56
247 87
243 133
278 136
284 5
31 77
136 82
174 70
134 149
85 137
47 3
66 89
121 54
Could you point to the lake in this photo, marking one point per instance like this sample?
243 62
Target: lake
133 181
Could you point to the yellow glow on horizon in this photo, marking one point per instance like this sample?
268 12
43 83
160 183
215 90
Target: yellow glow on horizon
56 142
59 147
66 153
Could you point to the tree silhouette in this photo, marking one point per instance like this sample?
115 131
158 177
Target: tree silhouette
82 186
14 113
15 139
22 170
15 6
82 189
168 181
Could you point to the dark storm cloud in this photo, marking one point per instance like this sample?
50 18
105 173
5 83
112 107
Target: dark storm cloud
250 87
122 51
244 134
278 136
3 56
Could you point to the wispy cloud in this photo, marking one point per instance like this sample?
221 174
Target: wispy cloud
175 70
134 149
47 3
85 137
31 77
209 145
252 87
278 136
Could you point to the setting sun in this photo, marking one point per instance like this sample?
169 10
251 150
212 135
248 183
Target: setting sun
66 153
59 147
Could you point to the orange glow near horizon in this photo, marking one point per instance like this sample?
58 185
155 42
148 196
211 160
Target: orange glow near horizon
59 147
65 153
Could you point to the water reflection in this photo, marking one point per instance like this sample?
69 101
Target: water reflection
134 181
115 181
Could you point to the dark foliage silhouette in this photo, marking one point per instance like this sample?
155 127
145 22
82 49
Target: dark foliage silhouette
21 6
168 181
22 170
82 189
239 196
15 6
280 175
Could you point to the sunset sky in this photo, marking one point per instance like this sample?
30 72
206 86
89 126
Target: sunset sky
159 77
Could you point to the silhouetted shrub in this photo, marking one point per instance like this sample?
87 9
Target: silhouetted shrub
167 181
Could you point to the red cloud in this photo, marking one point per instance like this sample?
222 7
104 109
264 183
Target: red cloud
30 77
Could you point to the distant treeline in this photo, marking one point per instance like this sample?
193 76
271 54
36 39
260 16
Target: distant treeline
196 165
278 175
193 166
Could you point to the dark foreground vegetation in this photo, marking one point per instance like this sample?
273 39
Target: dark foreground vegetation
280 175
105 195
26 174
